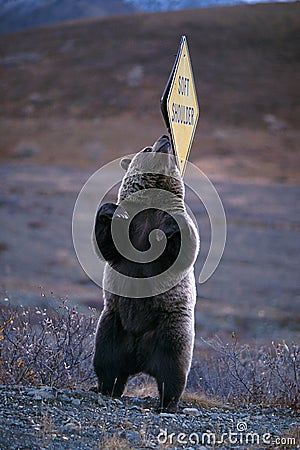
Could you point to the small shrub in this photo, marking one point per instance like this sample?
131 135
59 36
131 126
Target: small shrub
237 373
50 346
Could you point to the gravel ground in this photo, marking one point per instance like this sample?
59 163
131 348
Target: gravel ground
52 418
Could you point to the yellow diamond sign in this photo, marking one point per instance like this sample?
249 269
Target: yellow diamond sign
180 106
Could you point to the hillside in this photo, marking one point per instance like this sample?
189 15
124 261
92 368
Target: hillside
242 56
80 92
19 15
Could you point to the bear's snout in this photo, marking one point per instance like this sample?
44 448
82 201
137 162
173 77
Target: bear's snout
162 145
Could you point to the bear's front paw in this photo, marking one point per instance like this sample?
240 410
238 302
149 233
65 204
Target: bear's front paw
108 211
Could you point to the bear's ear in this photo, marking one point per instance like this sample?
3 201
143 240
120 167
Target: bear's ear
125 162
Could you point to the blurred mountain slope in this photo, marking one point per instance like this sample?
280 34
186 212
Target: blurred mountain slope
20 14
89 90
245 59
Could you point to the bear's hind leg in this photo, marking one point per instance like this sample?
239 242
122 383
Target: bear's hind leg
169 364
111 360
171 382
111 384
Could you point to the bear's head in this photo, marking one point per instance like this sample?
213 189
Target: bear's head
154 167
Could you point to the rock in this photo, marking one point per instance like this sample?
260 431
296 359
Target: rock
135 76
151 444
26 150
67 46
170 415
101 401
35 97
134 407
273 123
39 394
192 411
132 437
20 58
33 392
65 398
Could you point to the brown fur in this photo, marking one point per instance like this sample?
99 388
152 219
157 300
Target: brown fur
155 334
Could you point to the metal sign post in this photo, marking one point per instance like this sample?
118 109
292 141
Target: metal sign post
179 105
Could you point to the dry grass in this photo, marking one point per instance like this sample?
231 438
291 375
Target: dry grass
115 442
202 401
45 426
141 386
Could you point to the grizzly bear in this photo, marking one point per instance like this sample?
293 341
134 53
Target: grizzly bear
147 323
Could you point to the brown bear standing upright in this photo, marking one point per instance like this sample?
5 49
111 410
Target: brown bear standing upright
147 327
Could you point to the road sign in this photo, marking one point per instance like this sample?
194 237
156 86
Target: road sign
179 105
